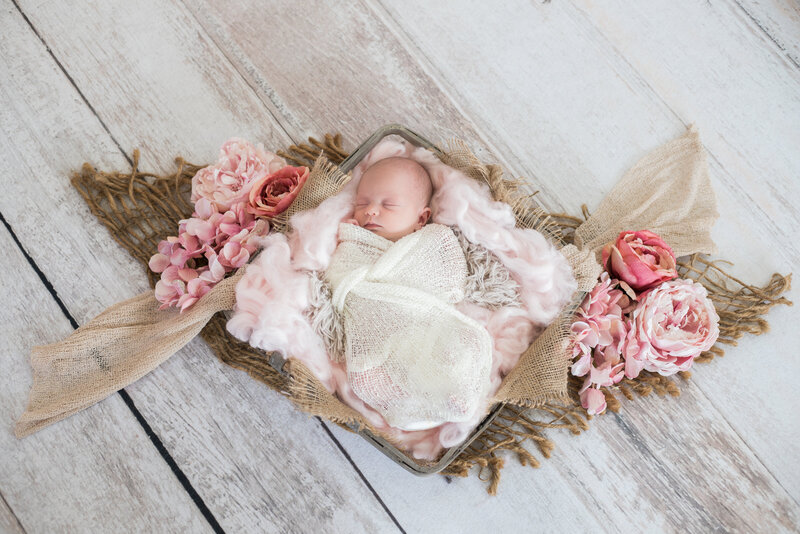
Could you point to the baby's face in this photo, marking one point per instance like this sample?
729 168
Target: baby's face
392 198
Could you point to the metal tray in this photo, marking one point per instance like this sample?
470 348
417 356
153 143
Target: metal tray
277 361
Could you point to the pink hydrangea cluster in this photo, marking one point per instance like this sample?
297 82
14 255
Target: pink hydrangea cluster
209 245
651 321
599 331
219 237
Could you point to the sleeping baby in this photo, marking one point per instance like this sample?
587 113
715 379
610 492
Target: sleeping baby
394 281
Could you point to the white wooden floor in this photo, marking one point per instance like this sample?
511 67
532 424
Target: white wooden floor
567 93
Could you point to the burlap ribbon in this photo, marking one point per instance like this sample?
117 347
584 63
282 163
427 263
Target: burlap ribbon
116 348
668 192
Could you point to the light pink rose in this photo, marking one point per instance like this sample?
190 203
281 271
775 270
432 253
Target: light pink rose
272 194
673 323
229 181
640 259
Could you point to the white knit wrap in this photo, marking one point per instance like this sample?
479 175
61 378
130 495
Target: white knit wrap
409 353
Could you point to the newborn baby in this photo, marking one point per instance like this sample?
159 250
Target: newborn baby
392 198
409 353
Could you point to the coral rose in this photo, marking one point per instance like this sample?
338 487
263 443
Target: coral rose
271 195
229 181
672 325
640 259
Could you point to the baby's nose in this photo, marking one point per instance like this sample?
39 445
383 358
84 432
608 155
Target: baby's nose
372 210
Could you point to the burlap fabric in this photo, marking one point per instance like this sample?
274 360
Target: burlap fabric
668 192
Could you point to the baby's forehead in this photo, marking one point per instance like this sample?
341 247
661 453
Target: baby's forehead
393 173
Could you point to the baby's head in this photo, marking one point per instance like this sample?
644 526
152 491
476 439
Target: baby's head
392 198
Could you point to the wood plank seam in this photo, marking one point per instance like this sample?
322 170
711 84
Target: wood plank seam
710 400
154 439
72 83
274 113
437 77
406 40
113 125
768 34
8 506
792 255
722 170
347 456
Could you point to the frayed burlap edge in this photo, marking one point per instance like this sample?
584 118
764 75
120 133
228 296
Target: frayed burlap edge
140 209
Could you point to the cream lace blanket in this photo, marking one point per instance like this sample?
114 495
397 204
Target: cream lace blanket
409 353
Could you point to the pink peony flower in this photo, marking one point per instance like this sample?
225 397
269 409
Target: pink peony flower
641 259
229 181
673 323
272 194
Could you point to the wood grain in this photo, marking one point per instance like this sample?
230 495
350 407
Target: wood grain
257 464
710 63
780 22
352 76
95 472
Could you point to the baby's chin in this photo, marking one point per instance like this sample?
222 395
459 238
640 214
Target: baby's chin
388 235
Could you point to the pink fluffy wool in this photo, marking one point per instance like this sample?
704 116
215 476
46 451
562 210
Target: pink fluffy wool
274 291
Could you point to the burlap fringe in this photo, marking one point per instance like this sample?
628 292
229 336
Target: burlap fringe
140 209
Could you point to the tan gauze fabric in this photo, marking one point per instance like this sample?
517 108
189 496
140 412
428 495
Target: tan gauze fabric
116 348
668 192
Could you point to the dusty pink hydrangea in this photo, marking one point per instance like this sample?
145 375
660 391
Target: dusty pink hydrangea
598 333
672 324
223 239
229 181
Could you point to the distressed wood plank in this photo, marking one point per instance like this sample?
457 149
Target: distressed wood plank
734 80
780 22
718 68
95 472
595 89
342 72
257 464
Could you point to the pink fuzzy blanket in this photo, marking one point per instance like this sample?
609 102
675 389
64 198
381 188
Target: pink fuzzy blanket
274 291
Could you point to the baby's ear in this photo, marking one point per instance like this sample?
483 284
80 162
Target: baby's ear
424 215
